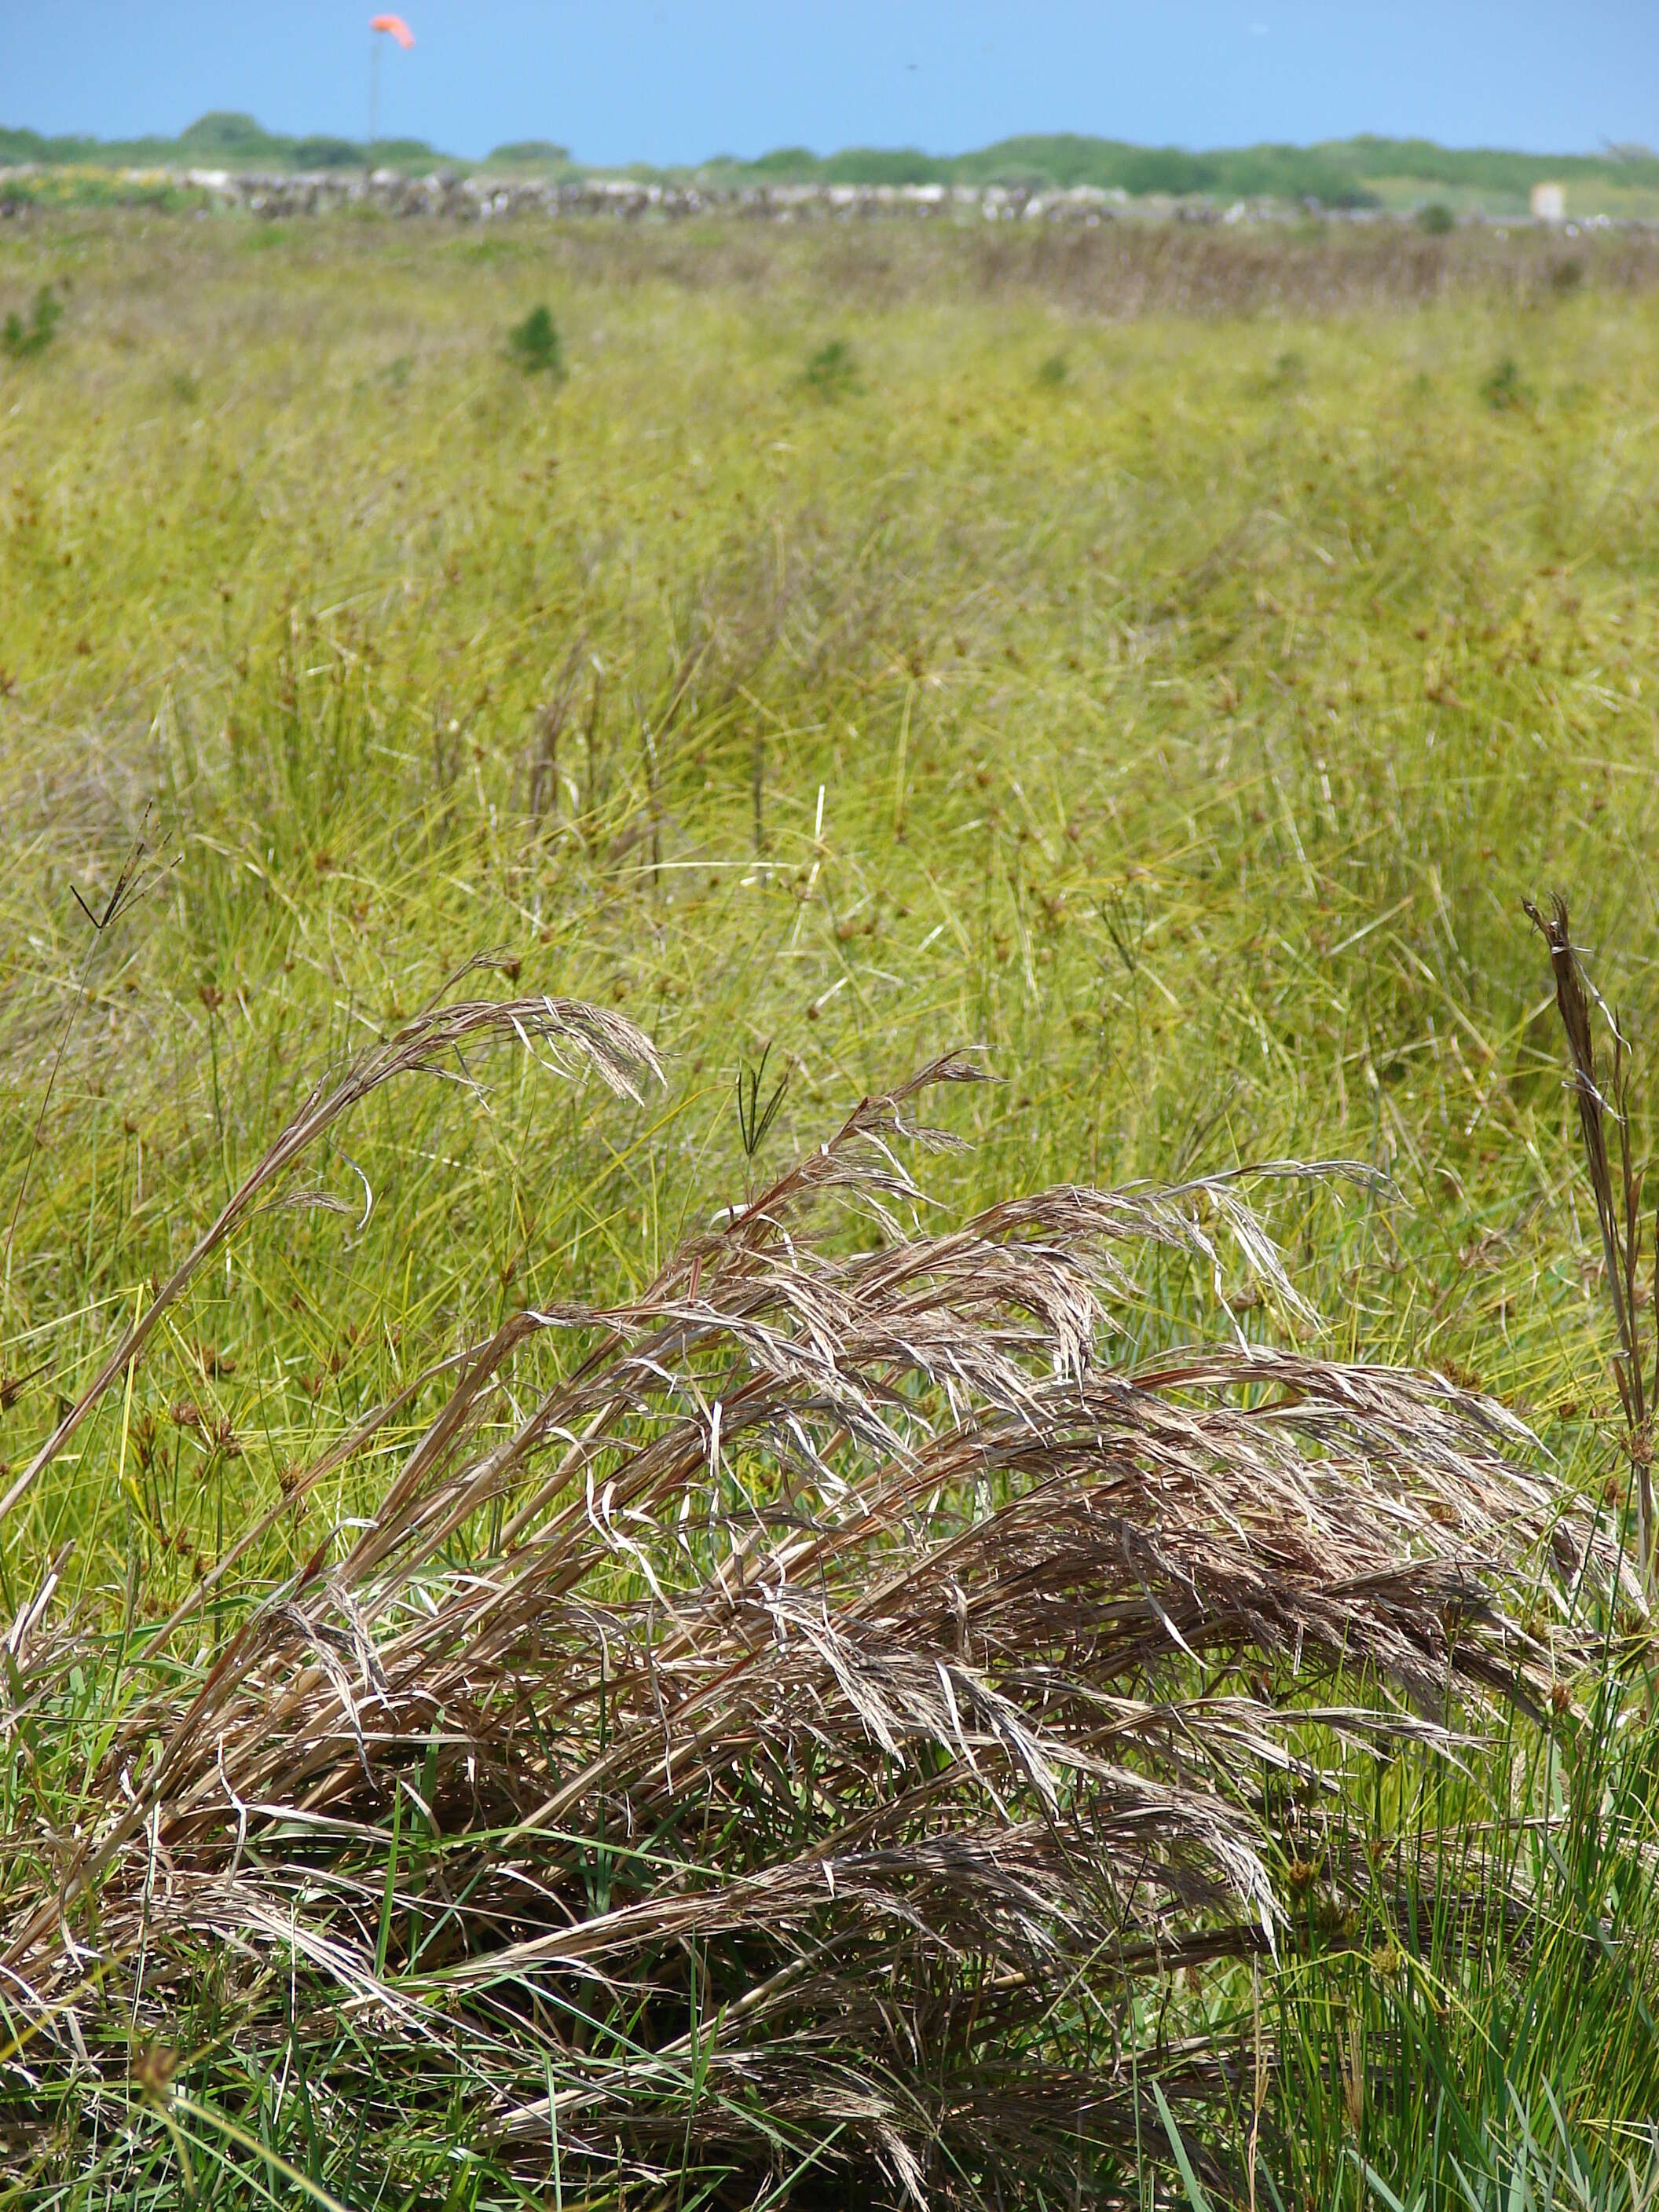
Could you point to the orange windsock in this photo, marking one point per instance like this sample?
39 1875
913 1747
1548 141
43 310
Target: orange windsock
396 28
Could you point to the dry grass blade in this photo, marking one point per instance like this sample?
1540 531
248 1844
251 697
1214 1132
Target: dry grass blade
617 1052
870 1684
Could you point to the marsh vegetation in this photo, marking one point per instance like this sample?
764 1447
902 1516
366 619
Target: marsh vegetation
808 1387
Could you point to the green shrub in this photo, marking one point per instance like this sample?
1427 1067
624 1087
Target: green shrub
1505 388
536 345
832 371
1288 373
1054 370
1437 219
23 341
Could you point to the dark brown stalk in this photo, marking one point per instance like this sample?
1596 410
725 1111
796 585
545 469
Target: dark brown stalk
1618 1215
544 792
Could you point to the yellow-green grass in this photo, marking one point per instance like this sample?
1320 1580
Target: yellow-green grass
1176 708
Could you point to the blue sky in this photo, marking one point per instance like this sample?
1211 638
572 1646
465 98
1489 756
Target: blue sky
665 81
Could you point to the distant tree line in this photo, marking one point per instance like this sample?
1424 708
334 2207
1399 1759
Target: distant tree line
218 142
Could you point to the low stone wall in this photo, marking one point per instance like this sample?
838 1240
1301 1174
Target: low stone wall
482 198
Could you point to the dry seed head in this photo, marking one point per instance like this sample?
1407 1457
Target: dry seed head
153 2068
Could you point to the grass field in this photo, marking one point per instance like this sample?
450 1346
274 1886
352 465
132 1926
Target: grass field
873 648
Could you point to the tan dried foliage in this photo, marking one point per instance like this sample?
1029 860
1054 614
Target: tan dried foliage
874 1676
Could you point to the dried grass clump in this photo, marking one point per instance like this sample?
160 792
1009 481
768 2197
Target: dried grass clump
871 1680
